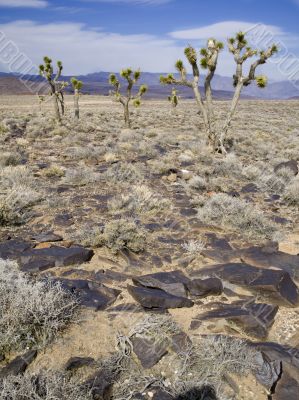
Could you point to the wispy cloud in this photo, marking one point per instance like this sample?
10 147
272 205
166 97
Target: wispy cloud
220 30
24 3
83 49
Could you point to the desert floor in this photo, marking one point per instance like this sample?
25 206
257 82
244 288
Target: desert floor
154 199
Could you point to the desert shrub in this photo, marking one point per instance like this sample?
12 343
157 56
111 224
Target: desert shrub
18 194
198 183
291 195
123 234
13 176
124 173
53 171
85 153
60 131
229 166
224 210
80 176
32 311
209 359
3 129
45 386
251 172
194 246
141 200
162 164
10 158
15 204
275 182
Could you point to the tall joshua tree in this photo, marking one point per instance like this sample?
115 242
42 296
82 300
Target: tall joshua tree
77 86
131 77
174 100
209 59
56 87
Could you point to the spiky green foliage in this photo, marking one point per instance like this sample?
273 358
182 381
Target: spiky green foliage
137 103
203 52
204 63
113 80
191 55
137 75
167 80
76 83
261 81
179 65
142 90
126 73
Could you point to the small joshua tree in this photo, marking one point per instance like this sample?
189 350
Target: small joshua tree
174 100
56 87
41 99
131 77
77 86
209 58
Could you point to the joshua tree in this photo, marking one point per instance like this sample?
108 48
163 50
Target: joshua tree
131 77
174 100
77 86
209 58
56 86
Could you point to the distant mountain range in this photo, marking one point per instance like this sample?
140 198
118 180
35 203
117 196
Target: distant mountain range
97 83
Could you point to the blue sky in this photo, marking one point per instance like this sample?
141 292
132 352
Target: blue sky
105 35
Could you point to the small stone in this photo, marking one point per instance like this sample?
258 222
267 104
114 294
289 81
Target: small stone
18 365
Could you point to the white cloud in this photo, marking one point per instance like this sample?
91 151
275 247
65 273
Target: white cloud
24 3
84 50
220 30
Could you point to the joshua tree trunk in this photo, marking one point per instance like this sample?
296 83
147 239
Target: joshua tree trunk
127 115
61 100
207 124
230 115
56 108
173 109
76 103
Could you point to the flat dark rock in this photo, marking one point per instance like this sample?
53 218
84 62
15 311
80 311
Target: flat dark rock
78 362
255 319
47 237
205 287
99 385
180 342
287 387
36 260
260 257
275 351
267 372
249 188
11 248
18 365
171 282
157 298
292 165
161 395
90 294
64 220
149 352
276 286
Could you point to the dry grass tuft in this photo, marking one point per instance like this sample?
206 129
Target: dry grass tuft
32 311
